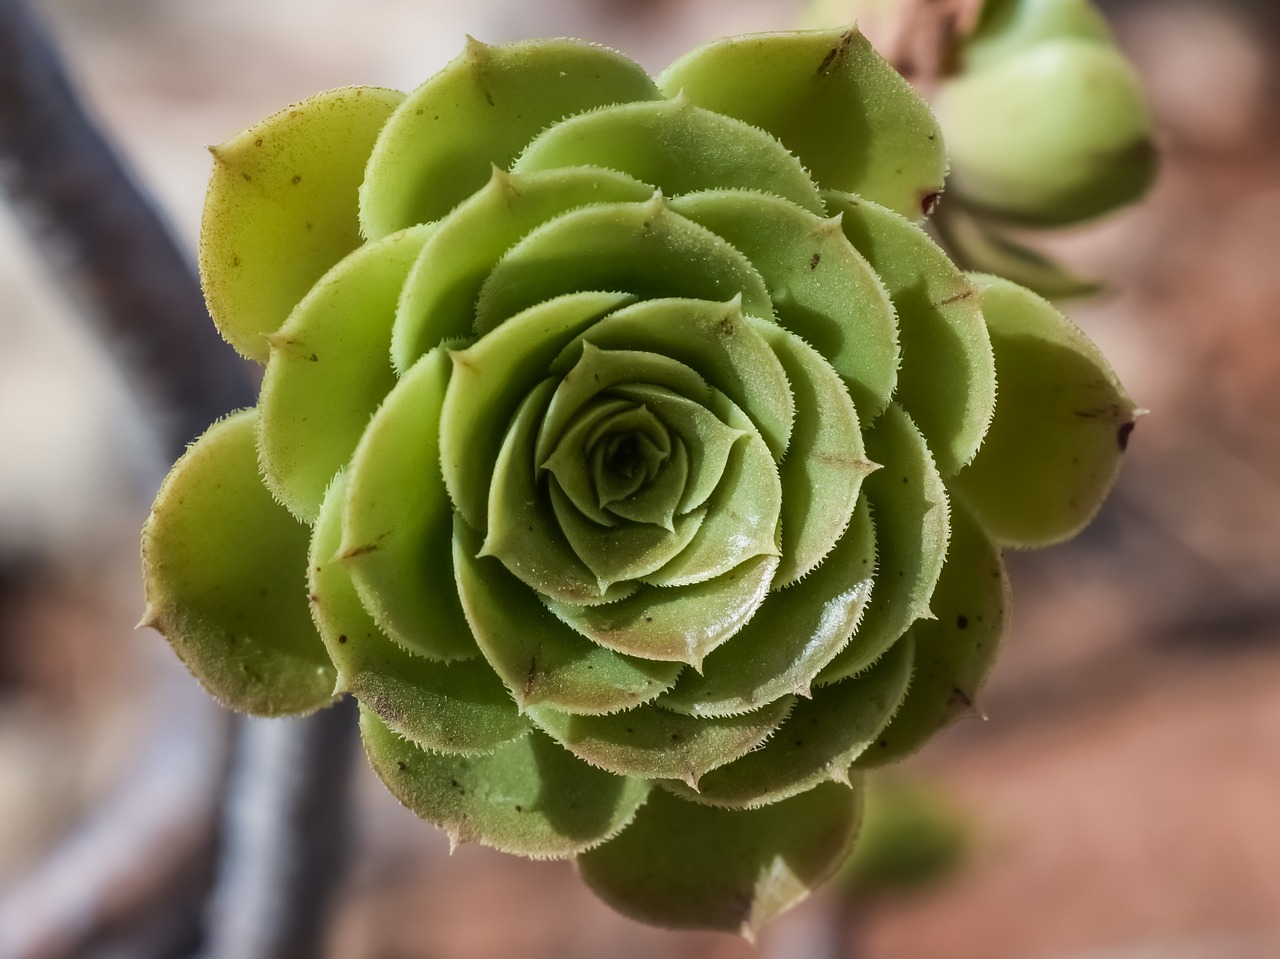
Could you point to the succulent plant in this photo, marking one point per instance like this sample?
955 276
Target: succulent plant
1047 126
1045 120
626 448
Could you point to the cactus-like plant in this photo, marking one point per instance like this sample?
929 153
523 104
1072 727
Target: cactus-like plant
626 448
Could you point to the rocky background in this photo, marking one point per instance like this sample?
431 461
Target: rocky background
1121 798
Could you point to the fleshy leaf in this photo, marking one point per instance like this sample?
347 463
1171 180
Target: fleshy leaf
825 464
569 462
654 743
447 707
791 637
439 298
1008 27
489 380
676 146
955 650
728 348
397 523
530 797
682 624
522 529
281 209
627 551
539 658
685 866
222 568
821 287
833 101
479 112
707 438
1060 429
640 248
741 515
816 744
948 379
326 375
596 372
910 507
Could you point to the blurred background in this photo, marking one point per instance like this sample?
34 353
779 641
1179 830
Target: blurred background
1122 799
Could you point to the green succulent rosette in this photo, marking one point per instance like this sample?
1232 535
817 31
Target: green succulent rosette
626 448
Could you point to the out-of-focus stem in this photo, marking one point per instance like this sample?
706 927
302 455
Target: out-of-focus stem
286 836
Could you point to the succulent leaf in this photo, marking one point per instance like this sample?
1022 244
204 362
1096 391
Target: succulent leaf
221 562
319 371
656 743
676 147
912 515
822 736
955 648
689 866
287 183
539 658
478 112
822 289
981 246
529 797
830 99
1061 428
948 382
796 633
1007 27
459 707
1071 139
396 524
438 300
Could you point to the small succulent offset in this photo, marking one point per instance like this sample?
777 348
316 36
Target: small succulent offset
1047 126
626 448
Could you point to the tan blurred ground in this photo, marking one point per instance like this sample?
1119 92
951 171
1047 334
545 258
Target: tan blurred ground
1124 793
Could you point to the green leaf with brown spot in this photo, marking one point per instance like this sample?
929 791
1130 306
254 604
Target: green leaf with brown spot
1060 429
479 112
397 521
327 374
529 797
223 570
853 121
459 707
281 209
955 649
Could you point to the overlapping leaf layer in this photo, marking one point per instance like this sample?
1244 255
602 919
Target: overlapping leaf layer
634 460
